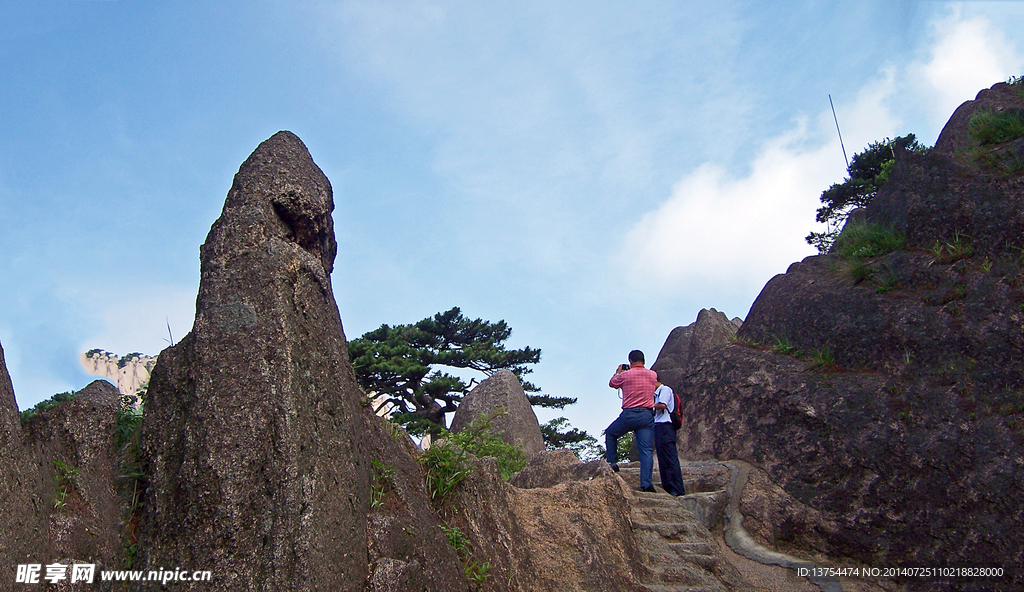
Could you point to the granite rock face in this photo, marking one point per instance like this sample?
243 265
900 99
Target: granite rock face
949 194
256 448
499 393
58 479
80 435
687 344
558 466
564 526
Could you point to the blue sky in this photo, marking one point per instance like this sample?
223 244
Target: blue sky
594 173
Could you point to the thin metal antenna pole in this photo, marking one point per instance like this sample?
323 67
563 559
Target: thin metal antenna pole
839 132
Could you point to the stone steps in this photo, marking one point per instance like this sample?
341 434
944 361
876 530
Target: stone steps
678 551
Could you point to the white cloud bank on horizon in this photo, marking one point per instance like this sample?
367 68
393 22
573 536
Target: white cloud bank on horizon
717 234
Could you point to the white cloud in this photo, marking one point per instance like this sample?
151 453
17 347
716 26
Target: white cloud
720 234
138 321
968 55
717 234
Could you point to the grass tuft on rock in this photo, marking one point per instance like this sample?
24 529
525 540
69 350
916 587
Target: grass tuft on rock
991 127
862 240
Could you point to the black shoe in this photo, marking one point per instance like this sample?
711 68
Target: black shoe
615 467
646 489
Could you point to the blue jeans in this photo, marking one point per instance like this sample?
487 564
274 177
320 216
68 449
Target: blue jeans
640 421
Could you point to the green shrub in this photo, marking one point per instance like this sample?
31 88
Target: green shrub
864 241
959 248
476 572
30 414
859 272
458 540
868 171
66 477
129 419
446 459
446 468
480 440
382 479
887 283
824 357
990 127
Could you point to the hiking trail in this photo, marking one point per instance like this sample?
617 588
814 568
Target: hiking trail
684 540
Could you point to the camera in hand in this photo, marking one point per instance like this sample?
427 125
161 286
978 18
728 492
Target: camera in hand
623 367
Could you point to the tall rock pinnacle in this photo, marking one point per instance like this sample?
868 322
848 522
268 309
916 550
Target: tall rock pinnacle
252 425
22 504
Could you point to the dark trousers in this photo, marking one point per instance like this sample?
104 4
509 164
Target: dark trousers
668 458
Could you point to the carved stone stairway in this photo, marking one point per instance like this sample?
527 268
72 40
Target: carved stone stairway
681 553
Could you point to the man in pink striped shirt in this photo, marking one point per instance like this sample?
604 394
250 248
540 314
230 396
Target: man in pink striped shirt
637 416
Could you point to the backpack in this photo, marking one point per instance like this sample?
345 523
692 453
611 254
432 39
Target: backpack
677 412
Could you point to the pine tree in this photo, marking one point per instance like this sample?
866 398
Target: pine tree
405 364
868 171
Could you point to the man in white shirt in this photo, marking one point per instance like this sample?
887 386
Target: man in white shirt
665 441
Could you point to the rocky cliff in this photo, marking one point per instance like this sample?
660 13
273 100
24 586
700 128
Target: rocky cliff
264 464
59 483
22 490
880 399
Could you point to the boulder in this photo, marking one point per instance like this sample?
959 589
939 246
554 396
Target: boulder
23 501
516 423
75 451
571 534
258 454
686 344
558 466
886 470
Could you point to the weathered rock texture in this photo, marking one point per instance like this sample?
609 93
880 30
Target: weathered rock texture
80 434
570 530
908 450
256 447
949 192
516 423
560 524
23 509
687 344
58 481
